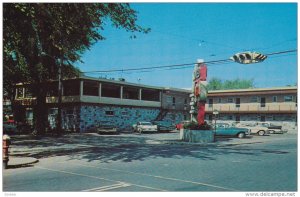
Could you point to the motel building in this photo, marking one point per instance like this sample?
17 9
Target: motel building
88 103
275 105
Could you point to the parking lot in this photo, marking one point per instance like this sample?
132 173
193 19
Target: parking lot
154 162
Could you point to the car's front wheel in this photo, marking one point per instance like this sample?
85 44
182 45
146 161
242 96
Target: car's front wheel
261 132
241 135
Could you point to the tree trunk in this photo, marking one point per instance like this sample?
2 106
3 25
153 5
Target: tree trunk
40 110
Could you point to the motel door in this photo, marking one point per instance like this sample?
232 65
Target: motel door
237 102
262 102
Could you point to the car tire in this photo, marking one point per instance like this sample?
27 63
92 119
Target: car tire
241 135
261 133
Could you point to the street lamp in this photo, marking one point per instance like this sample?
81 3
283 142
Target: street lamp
215 113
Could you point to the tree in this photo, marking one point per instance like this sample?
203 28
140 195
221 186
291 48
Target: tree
37 36
218 84
215 84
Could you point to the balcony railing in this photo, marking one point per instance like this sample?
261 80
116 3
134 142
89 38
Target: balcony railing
274 107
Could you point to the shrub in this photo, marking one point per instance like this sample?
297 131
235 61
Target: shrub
196 126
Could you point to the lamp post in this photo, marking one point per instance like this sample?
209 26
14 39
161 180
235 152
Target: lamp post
215 113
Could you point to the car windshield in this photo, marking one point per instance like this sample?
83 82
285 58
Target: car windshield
146 123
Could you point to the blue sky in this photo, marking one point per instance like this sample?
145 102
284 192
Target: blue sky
184 32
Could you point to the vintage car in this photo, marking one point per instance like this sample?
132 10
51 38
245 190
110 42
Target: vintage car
164 126
106 127
254 128
224 129
144 127
272 128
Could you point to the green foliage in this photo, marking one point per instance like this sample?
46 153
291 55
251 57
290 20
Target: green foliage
195 126
218 84
37 36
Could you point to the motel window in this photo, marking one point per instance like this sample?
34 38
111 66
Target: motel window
230 100
230 117
254 99
185 101
28 93
169 99
109 113
20 92
288 98
91 88
210 102
274 99
219 100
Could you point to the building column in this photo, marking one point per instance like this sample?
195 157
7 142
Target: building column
121 92
100 90
140 94
81 88
16 96
62 89
160 96
23 92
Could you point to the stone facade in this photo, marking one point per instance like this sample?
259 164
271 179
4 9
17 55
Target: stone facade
87 117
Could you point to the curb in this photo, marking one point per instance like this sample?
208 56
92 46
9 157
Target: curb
18 162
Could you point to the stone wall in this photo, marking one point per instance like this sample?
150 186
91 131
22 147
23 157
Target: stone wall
122 117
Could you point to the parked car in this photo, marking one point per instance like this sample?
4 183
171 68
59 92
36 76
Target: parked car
10 128
106 128
254 128
164 126
144 127
180 125
272 128
224 129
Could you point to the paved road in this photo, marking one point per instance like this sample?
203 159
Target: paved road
154 162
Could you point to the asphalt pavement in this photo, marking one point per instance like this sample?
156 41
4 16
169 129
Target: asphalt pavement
153 162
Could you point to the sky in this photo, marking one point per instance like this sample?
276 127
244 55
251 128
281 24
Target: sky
184 32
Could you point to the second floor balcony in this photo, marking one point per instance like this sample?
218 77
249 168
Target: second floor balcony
253 108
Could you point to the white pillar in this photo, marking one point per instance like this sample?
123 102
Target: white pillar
140 94
23 92
160 96
121 92
100 89
81 88
16 96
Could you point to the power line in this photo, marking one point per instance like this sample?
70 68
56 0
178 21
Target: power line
169 67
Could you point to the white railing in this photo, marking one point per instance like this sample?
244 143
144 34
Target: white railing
272 107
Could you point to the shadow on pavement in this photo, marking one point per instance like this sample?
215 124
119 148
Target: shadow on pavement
123 148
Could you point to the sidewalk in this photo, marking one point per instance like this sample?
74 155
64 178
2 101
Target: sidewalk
17 162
